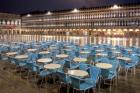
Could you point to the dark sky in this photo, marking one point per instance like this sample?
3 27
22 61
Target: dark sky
24 6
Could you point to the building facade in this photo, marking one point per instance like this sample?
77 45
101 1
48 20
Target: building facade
9 21
107 21
10 24
75 25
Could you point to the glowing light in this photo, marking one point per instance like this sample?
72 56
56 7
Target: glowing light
28 15
136 30
124 29
114 29
104 29
115 7
99 29
94 29
75 10
130 29
108 29
48 13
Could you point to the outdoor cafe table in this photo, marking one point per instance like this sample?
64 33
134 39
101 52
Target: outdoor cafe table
52 47
44 52
20 57
84 52
126 59
66 49
62 56
101 54
68 46
99 50
78 59
44 60
78 73
31 50
117 52
113 48
129 50
11 53
104 65
52 66
104 69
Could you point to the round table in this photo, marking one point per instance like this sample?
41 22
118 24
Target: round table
44 52
126 59
77 59
11 53
37 46
113 48
31 50
62 56
116 52
78 73
99 50
104 65
68 46
21 56
44 60
84 52
67 49
129 50
52 47
52 66
101 54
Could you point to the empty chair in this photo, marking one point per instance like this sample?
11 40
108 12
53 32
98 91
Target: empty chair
71 65
113 73
80 84
83 66
64 80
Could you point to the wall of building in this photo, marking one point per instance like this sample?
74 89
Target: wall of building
111 21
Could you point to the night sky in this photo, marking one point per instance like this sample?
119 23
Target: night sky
25 6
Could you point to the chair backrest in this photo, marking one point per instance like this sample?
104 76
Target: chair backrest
115 65
62 77
75 82
61 62
67 64
83 66
94 73
104 60
134 58
122 63
33 56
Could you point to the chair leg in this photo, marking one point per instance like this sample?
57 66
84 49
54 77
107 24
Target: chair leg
28 75
94 90
73 91
36 73
126 72
68 88
84 91
41 83
99 84
59 88
20 72
110 86
116 81
134 71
